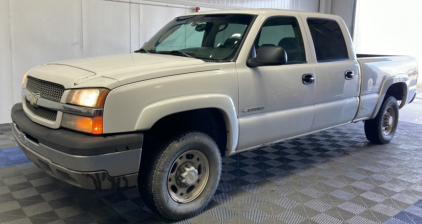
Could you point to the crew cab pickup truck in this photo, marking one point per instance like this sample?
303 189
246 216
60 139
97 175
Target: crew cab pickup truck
207 85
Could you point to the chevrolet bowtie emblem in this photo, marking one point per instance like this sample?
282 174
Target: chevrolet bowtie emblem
33 98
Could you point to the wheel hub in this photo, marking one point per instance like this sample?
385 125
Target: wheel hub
388 121
188 175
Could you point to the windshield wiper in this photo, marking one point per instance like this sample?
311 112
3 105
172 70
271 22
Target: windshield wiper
210 59
175 52
142 50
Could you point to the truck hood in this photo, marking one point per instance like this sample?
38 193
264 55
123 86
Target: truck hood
115 70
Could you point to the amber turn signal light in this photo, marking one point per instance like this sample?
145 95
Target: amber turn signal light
93 125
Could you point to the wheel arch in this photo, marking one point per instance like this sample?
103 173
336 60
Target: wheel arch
218 108
392 87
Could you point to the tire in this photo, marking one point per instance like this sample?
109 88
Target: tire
170 173
382 128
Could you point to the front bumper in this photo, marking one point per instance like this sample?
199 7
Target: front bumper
87 169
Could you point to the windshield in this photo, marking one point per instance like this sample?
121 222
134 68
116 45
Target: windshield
212 37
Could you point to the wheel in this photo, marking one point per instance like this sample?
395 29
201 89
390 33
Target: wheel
382 128
178 182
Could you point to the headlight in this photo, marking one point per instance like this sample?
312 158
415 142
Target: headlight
87 97
93 125
25 77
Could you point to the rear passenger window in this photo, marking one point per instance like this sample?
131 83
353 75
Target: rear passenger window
283 32
328 40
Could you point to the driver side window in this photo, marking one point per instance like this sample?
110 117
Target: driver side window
284 32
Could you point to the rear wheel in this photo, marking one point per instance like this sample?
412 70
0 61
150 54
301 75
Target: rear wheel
382 128
180 180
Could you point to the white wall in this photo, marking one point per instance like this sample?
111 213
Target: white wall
42 31
389 27
344 9
6 70
302 5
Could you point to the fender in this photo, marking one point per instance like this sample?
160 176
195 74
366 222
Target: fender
154 112
385 86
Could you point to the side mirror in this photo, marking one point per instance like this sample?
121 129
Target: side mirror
268 55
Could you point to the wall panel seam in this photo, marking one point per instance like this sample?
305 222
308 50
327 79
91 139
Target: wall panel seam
130 28
82 29
11 52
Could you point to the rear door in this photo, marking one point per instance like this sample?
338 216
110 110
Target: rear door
337 75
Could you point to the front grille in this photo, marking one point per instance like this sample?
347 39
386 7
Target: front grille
47 90
42 112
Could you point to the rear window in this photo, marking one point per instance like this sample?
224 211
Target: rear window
328 40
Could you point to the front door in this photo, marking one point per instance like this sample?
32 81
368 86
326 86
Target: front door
276 102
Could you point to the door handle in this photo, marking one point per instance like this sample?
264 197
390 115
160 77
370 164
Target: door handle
308 79
349 75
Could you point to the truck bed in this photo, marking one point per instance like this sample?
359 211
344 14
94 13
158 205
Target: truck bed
377 70
375 55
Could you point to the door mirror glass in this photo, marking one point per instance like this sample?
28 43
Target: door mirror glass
268 55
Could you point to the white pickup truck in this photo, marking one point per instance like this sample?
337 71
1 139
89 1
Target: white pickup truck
207 85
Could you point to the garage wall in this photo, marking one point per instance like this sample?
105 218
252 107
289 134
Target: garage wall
42 31
396 29
302 5
344 9
6 70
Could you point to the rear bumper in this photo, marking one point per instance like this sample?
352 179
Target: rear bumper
94 171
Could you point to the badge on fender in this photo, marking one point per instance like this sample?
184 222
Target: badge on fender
253 109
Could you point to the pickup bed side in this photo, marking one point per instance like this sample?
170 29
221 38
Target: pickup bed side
385 75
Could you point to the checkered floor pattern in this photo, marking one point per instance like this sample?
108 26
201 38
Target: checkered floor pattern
334 176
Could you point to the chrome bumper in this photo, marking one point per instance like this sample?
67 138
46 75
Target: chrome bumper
89 172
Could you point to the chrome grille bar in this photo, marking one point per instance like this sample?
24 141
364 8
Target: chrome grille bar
47 90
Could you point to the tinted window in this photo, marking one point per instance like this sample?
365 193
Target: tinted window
328 40
283 32
229 31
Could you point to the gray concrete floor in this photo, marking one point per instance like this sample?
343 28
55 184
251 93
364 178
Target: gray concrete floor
413 112
334 176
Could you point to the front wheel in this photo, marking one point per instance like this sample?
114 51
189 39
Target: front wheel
182 177
382 128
